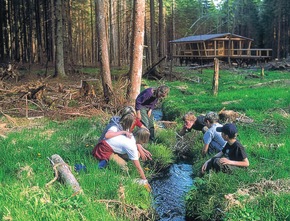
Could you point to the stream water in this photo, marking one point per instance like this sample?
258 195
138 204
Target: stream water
169 192
170 189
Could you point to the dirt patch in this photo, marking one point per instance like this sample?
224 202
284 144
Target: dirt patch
37 96
255 190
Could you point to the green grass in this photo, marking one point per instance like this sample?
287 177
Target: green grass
267 102
25 169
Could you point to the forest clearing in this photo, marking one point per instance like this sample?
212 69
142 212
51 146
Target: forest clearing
67 67
72 131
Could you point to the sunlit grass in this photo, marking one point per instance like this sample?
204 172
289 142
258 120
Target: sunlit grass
26 171
266 101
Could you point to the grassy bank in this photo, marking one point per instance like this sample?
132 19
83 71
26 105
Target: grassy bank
26 190
260 192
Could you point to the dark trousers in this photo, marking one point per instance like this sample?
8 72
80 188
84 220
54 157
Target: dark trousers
215 165
148 122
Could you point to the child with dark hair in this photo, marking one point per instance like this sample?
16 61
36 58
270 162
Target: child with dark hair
232 156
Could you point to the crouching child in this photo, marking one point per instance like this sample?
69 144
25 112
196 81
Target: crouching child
121 148
232 156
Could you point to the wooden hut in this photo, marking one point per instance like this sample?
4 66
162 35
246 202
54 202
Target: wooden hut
226 46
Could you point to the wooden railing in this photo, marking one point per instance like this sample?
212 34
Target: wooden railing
210 53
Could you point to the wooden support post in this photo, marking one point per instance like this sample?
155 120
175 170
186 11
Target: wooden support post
26 106
262 71
215 83
170 70
65 174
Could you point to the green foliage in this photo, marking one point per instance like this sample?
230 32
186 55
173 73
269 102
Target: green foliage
265 101
25 172
163 157
166 137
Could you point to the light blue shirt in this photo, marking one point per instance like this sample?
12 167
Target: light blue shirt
214 138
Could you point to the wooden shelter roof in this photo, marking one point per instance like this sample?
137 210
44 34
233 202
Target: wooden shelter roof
201 38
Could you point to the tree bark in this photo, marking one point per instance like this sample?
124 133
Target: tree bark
215 83
161 34
153 32
135 72
103 47
65 174
59 67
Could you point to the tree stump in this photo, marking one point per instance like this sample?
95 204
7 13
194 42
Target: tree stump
65 174
88 87
8 71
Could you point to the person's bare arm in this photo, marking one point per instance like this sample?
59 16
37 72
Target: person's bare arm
205 149
218 155
243 163
144 154
149 112
182 132
143 180
139 169
111 134
138 114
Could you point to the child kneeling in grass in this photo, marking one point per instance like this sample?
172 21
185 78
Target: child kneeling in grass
233 154
120 147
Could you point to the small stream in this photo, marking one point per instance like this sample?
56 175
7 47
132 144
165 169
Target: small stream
170 189
169 192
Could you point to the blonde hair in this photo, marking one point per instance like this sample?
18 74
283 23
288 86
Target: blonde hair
127 121
189 116
142 135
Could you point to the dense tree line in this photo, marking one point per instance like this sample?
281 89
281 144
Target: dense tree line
35 31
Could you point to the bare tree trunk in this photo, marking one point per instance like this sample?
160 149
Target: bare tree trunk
59 58
82 38
69 33
38 32
53 28
119 32
135 73
153 32
215 83
104 55
96 34
125 34
15 28
92 33
173 34
161 33
279 33
2 13
113 32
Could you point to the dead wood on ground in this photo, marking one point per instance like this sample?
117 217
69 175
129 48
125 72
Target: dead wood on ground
230 116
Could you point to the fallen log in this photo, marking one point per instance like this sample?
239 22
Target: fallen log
65 174
230 116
